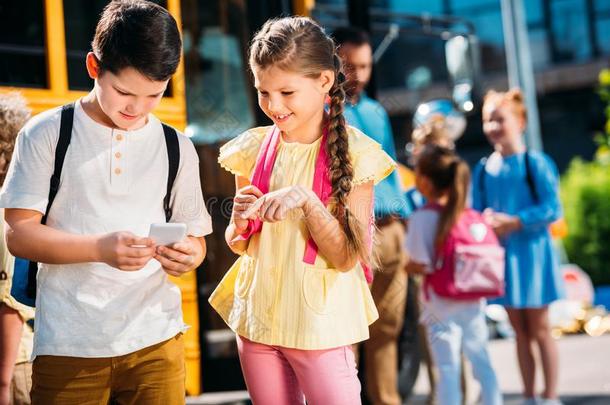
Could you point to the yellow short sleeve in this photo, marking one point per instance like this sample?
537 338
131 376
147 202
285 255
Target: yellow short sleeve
238 156
370 162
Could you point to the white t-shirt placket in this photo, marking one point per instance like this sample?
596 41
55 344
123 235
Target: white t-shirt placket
118 162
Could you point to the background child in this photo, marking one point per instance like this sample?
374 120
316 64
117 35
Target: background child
295 315
521 218
432 132
105 310
452 326
15 334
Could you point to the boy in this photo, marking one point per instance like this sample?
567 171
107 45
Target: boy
108 321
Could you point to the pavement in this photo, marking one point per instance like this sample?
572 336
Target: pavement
584 377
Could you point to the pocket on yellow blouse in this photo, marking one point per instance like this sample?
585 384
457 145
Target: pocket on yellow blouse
245 276
320 289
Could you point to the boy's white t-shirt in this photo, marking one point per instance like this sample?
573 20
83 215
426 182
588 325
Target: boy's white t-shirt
420 246
112 180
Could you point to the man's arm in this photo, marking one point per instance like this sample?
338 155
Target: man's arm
26 237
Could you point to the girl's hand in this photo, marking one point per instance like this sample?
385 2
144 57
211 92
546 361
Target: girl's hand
274 206
242 202
504 224
416 268
178 258
125 251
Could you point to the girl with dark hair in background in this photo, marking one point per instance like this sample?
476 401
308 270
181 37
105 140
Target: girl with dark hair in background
453 326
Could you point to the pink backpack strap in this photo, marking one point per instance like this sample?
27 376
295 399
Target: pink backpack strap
261 176
322 188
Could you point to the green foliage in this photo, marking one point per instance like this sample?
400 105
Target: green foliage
585 193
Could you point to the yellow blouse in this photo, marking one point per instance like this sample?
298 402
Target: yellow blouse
270 295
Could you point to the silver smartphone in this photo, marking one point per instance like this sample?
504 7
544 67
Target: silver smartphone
166 234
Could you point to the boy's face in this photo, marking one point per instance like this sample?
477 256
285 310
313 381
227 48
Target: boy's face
126 98
294 102
358 66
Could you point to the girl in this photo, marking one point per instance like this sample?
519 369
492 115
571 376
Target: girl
521 218
432 132
16 336
452 326
298 297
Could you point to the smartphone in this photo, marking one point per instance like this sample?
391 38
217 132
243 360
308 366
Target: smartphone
167 233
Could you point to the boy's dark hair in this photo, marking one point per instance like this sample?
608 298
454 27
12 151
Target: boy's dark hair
350 35
138 34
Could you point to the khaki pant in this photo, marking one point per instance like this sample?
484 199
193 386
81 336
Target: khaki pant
389 291
151 376
21 384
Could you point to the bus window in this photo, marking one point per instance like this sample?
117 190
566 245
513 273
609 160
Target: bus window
80 21
23 61
218 92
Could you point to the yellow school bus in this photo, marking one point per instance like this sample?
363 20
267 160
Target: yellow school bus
43 44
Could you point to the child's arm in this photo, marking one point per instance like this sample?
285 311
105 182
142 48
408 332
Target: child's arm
548 207
326 230
26 237
245 196
419 242
323 226
413 267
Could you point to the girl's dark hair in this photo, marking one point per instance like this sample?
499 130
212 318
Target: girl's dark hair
300 45
351 36
138 34
448 173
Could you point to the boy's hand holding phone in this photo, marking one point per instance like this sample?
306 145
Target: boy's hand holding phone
125 251
178 258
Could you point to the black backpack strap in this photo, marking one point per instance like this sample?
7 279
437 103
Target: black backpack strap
65 134
530 177
173 156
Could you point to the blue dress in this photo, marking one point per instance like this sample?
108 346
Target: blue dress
533 278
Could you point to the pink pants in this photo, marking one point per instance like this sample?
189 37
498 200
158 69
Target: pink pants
281 376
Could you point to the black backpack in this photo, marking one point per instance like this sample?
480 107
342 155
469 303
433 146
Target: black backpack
24 275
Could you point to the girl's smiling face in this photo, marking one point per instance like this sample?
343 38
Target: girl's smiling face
293 101
502 126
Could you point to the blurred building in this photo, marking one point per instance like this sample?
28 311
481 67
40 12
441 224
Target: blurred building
569 41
